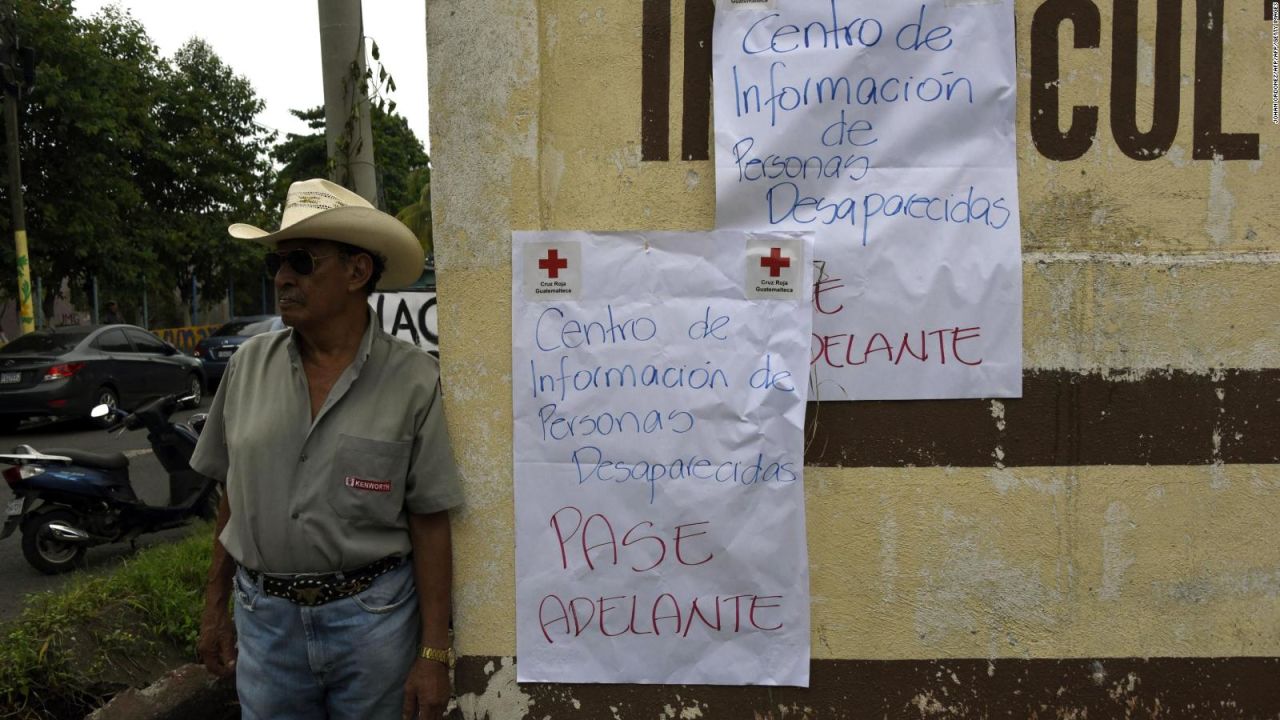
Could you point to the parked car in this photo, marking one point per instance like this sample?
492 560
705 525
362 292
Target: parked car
216 350
64 372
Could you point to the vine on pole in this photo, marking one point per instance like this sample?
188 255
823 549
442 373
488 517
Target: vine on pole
377 91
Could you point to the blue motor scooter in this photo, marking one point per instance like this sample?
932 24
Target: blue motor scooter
67 501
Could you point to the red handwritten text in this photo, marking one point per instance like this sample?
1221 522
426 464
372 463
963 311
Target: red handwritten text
640 543
665 614
939 346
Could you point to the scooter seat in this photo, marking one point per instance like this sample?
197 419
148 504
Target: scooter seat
106 461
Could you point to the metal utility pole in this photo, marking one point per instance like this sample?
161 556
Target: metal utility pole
18 68
347 123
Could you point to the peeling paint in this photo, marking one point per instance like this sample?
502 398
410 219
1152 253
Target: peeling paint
973 589
997 412
1116 559
1164 259
497 64
684 712
552 34
1221 203
1254 584
1125 312
553 169
690 713
1218 478
1146 63
502 697
625 158
929 706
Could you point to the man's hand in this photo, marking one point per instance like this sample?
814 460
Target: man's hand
426 692
217 644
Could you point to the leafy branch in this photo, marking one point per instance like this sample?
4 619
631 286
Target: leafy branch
376 88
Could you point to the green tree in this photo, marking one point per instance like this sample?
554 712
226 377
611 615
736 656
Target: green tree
212 169
86 127
300 157
417 215
397 151
134 165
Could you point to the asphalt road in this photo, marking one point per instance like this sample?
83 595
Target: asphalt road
150 482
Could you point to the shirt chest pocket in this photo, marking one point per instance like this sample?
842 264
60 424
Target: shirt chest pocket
366 484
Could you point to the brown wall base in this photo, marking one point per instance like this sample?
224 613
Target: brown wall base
1063 418
1166 688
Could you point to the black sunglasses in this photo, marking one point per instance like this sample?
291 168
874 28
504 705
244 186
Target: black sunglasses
301 260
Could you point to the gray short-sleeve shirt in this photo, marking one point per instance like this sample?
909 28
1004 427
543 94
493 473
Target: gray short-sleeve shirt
332 494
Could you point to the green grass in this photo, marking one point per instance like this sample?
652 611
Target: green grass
70 649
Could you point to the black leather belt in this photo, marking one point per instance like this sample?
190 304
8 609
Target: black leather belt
320 588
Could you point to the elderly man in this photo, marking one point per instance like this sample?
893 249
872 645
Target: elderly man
333 533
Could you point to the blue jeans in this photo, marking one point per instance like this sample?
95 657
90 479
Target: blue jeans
344 660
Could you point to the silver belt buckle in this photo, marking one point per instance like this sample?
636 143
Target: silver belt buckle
306 590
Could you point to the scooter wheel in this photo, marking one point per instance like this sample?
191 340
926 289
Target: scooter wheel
46 553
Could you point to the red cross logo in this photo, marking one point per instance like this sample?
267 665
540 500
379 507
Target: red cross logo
553 263
775 262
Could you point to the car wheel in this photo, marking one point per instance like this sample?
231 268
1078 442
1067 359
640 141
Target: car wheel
45 551
195 390
105 395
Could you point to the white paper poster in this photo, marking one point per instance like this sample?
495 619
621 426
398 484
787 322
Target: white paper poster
411 316
659 397
886 128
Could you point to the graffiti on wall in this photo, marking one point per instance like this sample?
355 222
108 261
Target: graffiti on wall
1054 136
185 338
1209 140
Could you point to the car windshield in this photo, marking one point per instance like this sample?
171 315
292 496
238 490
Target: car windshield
45 342
259 327
243 326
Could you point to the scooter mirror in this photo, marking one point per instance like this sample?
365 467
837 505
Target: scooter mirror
100 411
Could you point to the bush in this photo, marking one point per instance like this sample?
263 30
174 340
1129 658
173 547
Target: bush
72 650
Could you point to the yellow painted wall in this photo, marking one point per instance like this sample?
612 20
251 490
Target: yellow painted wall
1129 266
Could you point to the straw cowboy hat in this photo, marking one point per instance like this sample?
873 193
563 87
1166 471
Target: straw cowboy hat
321 210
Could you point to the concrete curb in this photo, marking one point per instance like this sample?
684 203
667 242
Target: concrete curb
188 693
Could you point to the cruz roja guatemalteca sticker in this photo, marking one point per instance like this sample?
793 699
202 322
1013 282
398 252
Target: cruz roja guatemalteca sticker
552 271
775 268
726 5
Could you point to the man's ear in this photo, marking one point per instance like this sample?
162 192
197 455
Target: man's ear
359 270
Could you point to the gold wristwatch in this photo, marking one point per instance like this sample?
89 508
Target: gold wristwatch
444 656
